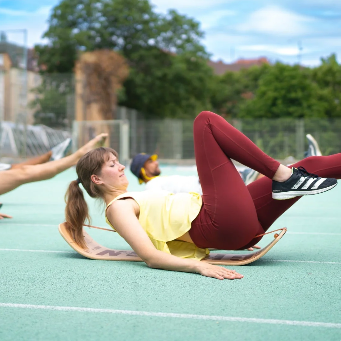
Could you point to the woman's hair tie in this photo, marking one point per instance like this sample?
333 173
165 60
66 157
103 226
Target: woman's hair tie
78 181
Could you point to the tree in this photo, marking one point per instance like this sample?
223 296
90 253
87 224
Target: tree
124 25
169 86
233 89
328 78
284 91
157 47
51 100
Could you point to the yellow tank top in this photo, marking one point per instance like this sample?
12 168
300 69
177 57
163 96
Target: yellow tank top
165 217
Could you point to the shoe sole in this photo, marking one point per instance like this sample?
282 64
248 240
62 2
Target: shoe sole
315 144
252 178
293 194
63 151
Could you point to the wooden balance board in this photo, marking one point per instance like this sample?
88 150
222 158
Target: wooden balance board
99 252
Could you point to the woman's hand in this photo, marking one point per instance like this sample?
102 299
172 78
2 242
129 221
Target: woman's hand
218 272
252 247
2 216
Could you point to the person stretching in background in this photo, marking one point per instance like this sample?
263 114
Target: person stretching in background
13 178
56 153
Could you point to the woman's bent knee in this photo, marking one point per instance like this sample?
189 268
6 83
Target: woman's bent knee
204 116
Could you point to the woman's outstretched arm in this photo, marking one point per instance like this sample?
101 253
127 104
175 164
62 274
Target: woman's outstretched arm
2 216
122 216
14 178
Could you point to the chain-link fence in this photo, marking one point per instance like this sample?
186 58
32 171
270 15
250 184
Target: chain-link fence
280 138
283 137
52 100
118 131
36 110
35 140
56 101
172 139
33 127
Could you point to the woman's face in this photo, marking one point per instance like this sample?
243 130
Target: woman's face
112 174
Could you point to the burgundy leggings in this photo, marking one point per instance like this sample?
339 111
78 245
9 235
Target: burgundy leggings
232 213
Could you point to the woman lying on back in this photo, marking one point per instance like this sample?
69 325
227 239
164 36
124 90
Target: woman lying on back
173 231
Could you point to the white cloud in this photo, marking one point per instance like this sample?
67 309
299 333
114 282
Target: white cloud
223 39
45 10
274 20
212 18
35 29
325 41
42 11
35 22
281 50
188 4
324 3
311 62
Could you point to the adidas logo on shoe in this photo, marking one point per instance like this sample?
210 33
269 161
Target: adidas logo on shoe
301 183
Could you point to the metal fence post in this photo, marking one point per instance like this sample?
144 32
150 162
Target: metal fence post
75 135
133 133
300 139
177 139
124 142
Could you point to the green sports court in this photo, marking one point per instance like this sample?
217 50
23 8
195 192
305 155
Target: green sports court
141 71
49 292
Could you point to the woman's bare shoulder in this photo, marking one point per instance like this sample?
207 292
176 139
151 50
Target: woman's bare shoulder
123 205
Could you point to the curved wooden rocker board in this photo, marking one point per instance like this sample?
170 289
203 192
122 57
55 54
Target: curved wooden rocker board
99 252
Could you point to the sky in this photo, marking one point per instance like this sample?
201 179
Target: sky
301 31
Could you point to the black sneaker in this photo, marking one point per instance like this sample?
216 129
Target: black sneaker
301 183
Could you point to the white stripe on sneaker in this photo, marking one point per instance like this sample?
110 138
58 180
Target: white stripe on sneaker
318 183
293 194
299 182
308 183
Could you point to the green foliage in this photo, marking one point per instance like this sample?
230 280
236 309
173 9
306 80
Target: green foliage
272 103
284 91
276 137
232 89
170 86
168 77
51 100
280 90
328 78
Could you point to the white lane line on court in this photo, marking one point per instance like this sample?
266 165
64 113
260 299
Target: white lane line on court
289 232
317 233
298 261
174 315
47 251
31 224
264 260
